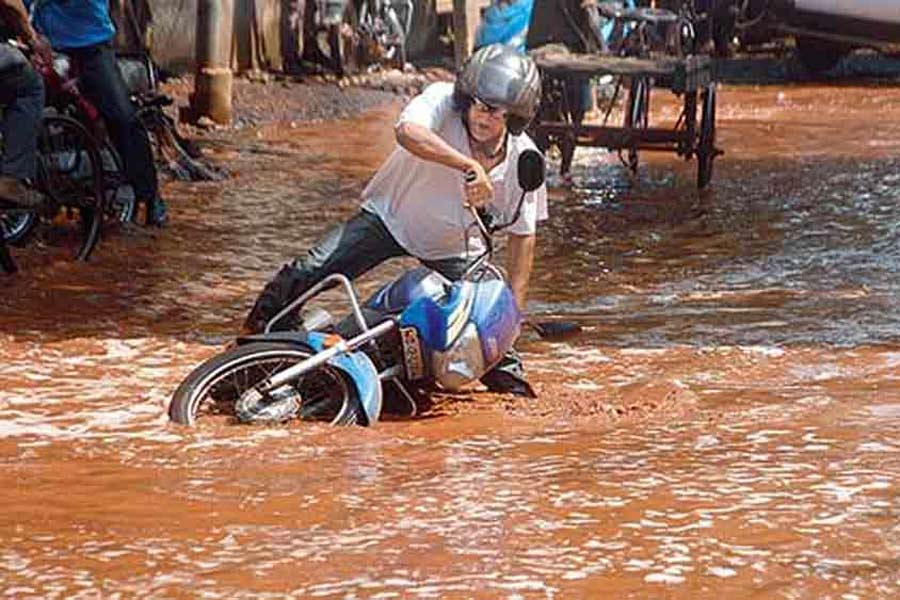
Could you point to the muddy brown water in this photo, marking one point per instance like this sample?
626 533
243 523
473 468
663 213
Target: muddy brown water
727 426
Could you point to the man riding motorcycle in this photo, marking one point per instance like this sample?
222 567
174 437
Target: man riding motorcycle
84 31
22 95
458 146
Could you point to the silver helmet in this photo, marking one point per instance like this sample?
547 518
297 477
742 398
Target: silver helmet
499 76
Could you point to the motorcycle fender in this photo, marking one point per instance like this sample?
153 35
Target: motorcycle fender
293 337
360 371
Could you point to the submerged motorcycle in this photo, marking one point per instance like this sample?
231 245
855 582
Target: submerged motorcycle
420 331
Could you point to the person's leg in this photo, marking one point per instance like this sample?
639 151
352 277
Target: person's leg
508 376
22 91
101 82
351 248
292 12
576 100
21 122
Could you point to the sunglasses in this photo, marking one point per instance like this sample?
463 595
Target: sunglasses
487 109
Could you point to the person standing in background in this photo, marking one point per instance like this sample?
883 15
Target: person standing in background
22 94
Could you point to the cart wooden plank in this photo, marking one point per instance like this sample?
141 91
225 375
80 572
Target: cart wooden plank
616 137
679 74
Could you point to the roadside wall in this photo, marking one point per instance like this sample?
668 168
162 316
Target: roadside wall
172 38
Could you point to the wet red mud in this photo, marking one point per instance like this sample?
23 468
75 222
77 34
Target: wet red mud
727 424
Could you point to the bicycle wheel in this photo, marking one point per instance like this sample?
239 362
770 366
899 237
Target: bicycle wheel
213 388
70 173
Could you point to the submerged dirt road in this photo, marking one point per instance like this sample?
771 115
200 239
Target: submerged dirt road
728 426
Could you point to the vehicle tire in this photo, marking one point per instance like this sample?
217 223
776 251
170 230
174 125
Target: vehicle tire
117 206
706 145
818 55
213 387
16 226
70 173
636 117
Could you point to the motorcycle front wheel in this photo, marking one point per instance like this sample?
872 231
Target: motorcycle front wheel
213 388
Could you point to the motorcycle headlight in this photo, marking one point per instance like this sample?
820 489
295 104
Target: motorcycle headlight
460 364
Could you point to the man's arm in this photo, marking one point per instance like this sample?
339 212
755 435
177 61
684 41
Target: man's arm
427 145
424 143
521 259
16 15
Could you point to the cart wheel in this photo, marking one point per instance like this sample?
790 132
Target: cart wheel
637 116
706 146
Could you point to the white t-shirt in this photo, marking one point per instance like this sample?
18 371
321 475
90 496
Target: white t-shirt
422 202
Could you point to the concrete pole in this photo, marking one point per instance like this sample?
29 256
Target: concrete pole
212 82
466 15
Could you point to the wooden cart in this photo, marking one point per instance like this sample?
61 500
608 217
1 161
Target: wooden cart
691 78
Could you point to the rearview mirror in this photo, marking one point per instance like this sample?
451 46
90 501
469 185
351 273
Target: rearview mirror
531 170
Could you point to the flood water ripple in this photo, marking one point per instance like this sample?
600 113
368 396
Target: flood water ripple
728 424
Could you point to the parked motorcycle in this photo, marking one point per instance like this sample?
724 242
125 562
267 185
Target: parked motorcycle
173 153
420 331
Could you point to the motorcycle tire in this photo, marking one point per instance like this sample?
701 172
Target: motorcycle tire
16 227
119 203
326 395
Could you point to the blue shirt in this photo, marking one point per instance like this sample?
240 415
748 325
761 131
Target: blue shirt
504 23
70 24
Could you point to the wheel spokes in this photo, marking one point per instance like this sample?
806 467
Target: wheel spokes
221 394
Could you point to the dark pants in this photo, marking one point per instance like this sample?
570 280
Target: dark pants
568 100
578 91
22 92
100 80
353 248
292 33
